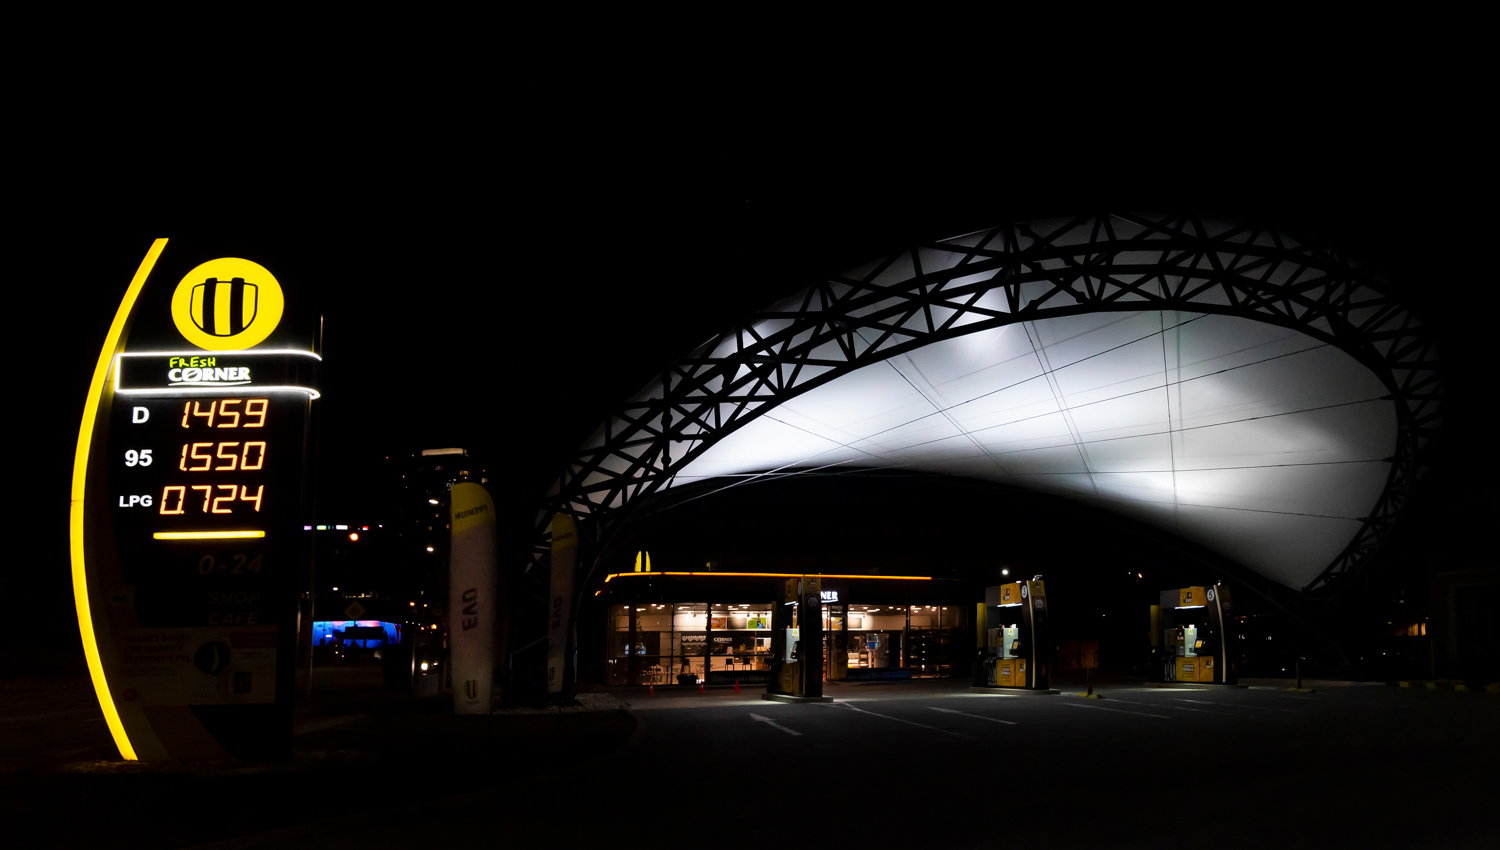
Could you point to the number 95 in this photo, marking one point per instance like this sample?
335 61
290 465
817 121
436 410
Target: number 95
138 458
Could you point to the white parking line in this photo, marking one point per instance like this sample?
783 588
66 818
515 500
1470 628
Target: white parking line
1116 710
774 725
1234 705
975 716
897 719
1176 708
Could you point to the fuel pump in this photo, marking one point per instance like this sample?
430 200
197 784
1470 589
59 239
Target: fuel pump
1191 636
1018 648
797 640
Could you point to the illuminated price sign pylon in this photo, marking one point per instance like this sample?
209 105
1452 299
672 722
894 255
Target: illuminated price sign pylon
188 497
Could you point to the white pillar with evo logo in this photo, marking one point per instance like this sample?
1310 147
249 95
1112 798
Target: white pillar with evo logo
559 615
471 598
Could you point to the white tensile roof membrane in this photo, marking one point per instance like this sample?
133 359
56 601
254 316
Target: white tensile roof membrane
1257 442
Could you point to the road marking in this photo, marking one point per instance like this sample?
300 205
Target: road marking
773 724
975 716
1233 705
897 719
1116 710
1176 707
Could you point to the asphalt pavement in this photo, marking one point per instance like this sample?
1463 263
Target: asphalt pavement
895 764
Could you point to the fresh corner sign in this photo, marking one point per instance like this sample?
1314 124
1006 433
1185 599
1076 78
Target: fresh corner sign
204 371
187 503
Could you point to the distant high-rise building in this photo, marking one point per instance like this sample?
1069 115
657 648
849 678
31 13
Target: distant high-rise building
392 565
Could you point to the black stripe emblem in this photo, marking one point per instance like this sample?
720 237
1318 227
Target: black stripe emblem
241 298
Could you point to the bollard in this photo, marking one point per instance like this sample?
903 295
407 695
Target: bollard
736 685
652 692
700 686
1091 681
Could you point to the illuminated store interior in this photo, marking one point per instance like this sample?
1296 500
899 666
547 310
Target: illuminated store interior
687 643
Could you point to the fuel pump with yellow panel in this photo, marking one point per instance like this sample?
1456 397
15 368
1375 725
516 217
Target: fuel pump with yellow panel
1192 634
1018 648
797 640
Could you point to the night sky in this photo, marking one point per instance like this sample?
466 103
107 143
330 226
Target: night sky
499 280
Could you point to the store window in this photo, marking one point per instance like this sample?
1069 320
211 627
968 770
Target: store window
640 638
933 640
877 636
685 643
740 638
690 643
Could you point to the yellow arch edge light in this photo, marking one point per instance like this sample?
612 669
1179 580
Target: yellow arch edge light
75 506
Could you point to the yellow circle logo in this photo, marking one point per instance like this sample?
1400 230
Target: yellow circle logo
227 304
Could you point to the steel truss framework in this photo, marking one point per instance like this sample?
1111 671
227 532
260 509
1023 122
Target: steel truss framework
937 290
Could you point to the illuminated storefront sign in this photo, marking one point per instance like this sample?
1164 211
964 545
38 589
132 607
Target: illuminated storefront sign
187 493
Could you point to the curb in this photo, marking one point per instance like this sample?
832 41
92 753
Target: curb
794 699
1195 686
1012 692
326 724
1492 687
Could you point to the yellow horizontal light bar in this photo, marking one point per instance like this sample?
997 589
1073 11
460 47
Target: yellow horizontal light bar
773 575
205 535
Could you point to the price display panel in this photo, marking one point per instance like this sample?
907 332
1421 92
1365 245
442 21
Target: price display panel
200 487
189 553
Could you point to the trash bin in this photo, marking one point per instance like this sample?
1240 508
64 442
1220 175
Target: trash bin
984 669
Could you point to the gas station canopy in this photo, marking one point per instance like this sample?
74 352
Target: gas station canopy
1266 400
1253 440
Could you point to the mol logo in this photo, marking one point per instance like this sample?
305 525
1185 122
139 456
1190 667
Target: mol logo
227 304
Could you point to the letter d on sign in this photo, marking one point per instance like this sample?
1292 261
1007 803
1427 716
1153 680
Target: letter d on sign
139 415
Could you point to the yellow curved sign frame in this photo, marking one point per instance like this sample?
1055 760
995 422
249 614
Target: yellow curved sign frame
75 510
